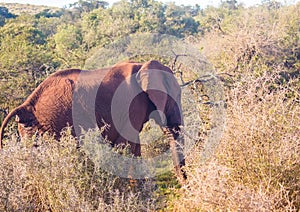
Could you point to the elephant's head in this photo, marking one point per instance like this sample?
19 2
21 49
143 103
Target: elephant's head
27 123
164 92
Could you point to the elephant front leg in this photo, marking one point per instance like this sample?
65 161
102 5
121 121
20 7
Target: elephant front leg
134 152
134 147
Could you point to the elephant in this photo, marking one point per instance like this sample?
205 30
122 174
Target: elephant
122 97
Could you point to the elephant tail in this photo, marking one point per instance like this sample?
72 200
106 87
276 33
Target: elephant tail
6 121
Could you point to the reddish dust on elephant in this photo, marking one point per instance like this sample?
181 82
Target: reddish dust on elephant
88 99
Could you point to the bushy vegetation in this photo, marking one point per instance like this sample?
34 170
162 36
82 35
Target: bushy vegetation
58 176
256 166
255 53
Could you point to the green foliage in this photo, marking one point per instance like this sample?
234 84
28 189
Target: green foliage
68 46
23 50
5 14
179 21
48 26
88 6
49 14
103 26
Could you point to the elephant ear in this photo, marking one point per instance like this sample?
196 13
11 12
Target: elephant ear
158 82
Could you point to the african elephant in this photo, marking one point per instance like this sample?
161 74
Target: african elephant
122 97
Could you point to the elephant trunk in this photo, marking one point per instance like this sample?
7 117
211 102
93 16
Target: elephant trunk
5 122
176 145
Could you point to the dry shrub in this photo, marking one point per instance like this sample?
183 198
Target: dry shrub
257 164
57 176
253 40
263 138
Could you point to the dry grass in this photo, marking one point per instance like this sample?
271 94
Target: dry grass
257 165
57 176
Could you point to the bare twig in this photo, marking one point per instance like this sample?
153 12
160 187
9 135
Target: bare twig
201 79
175 59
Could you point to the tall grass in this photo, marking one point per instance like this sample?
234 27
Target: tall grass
257 164
57 176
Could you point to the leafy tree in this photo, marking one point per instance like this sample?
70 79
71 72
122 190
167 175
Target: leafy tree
69 46
103 26
48 26
219 19
89 5
48 13
149 15
5 14
23 50
271 4
179 21
230 4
